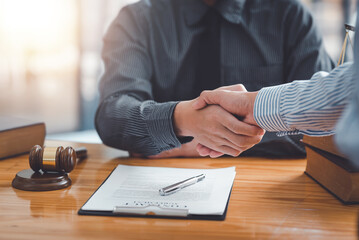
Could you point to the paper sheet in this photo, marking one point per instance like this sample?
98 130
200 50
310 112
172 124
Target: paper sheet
141 184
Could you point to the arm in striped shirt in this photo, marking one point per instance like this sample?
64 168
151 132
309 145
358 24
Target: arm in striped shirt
310 107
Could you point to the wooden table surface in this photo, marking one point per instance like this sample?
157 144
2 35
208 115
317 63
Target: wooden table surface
271 199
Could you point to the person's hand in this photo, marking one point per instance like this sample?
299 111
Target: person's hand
233 99
215 128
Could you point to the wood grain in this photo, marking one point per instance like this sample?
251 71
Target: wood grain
271 199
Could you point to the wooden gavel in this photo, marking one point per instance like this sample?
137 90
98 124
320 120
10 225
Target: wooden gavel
55 159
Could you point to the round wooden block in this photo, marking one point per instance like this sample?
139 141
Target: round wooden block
29 180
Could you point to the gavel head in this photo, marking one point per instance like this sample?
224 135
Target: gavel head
55 159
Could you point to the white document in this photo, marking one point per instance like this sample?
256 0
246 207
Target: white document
139 186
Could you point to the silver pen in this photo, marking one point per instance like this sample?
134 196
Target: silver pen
178 186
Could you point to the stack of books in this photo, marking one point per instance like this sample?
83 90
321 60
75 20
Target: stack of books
332 169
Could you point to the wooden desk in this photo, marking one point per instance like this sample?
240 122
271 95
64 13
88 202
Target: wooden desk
270 199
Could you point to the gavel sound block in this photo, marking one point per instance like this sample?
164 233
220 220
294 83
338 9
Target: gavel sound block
49 168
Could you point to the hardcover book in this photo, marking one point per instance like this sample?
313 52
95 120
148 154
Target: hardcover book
324 143
18 136
339 175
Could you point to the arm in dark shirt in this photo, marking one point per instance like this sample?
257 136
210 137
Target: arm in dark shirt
127 117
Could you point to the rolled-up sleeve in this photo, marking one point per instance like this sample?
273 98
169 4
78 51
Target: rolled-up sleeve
128 118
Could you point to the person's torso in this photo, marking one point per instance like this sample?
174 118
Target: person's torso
251 50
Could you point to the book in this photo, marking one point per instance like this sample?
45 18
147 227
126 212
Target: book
340 176
324 143
18 136
134 191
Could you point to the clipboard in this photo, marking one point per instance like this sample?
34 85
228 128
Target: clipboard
152 209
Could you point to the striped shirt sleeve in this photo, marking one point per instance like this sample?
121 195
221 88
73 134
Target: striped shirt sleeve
311 107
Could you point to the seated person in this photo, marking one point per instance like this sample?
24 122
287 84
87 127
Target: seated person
160 53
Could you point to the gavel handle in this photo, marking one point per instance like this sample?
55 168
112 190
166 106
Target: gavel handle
81 153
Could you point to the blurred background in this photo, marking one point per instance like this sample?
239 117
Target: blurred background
50 60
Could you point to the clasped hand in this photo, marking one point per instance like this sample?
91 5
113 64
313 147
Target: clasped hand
221 122
237 101
213 121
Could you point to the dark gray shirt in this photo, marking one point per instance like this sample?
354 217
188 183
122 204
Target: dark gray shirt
150 57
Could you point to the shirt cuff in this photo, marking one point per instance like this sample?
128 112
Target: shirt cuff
266 110
160 126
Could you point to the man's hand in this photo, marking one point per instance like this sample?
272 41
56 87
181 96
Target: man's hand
239 103
215 128
234 99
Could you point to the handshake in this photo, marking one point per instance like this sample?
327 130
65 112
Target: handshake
220 121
